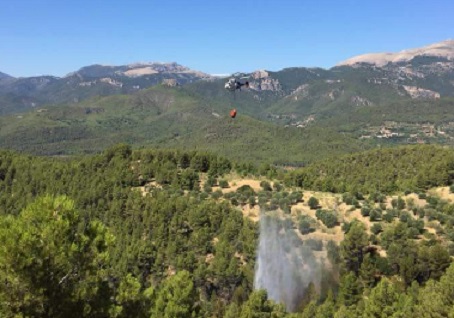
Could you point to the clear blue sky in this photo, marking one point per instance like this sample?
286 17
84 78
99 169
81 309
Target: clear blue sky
57 37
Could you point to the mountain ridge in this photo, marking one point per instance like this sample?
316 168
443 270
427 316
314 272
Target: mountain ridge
443 49
356 107
5 76
134 69
22 94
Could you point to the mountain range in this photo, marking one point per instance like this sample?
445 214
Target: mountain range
296 114
21 94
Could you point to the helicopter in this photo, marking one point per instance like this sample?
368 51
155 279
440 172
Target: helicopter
234 84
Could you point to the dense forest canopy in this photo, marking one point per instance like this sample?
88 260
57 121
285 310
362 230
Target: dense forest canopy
149 233
409 168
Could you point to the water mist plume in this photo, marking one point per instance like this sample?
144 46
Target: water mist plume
284 266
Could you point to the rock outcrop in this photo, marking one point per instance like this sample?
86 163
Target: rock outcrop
421 93
262 81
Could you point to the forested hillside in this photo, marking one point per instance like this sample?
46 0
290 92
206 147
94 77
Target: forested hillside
410 168
160 233
291 117
92 245
168 118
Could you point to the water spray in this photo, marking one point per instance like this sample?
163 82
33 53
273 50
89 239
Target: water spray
285 266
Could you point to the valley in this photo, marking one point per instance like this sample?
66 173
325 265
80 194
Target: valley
353 106
129 191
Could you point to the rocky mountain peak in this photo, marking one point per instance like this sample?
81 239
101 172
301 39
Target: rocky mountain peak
146 68
262 81
444 50
136 70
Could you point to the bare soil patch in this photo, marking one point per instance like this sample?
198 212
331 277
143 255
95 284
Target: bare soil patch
443 193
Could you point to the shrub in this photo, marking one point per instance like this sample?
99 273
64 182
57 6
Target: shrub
246 190
359 196
388 217
242 199
266 186
375 215
377 197
313 203
216 194
229 195
306 224
347 198
211 181
412 233
223 183
277 195
404 217
376 228
284 204
305 227
400 203
327 217
421 212
431 214
410 203
365 211
296 197
346 227
330 220
356 203
433 201
262 200
450 234
207 188
277 186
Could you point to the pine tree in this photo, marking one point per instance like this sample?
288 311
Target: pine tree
48 267
367 272
382 301
327 309
310 310
350 290
176 297
353 246
257 306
